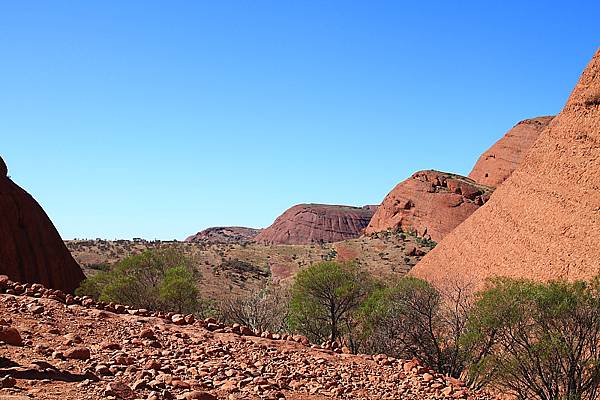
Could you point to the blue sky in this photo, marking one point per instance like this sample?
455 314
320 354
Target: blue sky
157 119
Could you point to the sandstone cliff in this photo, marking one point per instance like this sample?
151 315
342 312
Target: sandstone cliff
543 222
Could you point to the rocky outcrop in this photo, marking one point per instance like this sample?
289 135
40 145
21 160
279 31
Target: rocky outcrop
317 223
31 249
225 235
543 222
500 160
430 204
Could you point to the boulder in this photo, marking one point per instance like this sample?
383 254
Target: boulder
10 335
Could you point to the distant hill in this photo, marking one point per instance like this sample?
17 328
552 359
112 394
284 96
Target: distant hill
317 223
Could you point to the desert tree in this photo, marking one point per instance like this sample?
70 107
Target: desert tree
324 298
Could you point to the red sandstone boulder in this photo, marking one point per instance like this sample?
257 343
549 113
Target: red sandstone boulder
543 222
10 335
500 160
317 223
225 235
78 353
430 204
31 249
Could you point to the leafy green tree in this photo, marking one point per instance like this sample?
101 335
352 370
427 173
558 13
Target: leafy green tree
537 340
179 289
325 297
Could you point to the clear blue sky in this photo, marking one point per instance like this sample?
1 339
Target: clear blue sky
157 119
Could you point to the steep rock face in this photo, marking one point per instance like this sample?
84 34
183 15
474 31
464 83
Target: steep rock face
225 235
430 203
317 223
31 249
543 222
500 160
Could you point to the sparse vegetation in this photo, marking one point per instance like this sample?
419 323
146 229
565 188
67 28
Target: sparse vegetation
411 318
263 310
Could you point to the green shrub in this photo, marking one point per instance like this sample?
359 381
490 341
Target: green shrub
159 279
537 340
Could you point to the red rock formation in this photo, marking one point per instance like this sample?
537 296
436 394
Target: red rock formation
225 234
31 249
429 203
317 223
543 222
500 160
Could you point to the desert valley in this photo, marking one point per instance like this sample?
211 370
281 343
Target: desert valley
484 286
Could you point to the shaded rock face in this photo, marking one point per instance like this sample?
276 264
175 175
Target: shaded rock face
430 204
500 160
317 223
225 235
31 249
543 222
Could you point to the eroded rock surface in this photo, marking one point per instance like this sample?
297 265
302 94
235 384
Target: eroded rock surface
225 235
429 203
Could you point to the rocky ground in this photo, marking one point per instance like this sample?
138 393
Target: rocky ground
54 346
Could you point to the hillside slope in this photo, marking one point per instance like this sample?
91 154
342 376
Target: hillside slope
429 203
544 221
498 162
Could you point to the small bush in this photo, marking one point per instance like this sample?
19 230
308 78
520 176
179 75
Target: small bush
264 310
413 319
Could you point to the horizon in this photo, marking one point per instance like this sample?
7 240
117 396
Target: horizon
154 121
